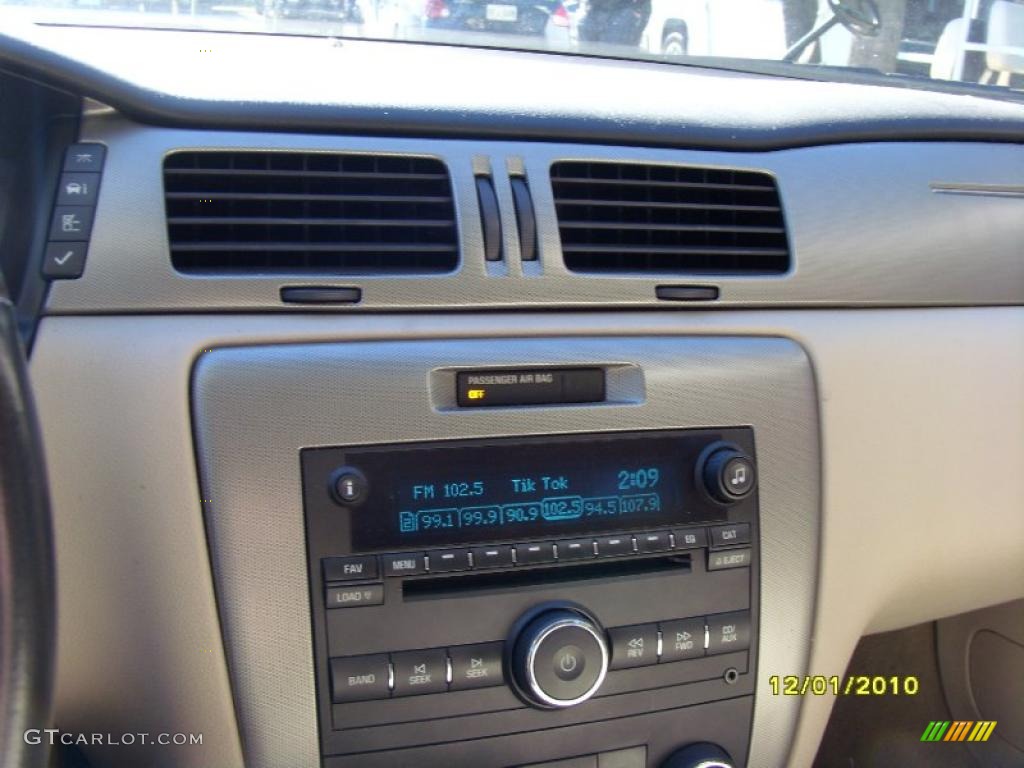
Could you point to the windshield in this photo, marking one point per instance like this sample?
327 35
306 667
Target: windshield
979 42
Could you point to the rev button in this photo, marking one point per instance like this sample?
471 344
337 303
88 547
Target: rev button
420 672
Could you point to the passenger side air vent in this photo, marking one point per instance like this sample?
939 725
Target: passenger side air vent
309 213
630 218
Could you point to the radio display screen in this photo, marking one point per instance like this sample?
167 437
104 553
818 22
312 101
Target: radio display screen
507 490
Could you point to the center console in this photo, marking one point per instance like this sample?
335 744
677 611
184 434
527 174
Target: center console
497 553
472 589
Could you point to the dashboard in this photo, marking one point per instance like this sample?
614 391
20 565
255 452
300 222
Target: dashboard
443 418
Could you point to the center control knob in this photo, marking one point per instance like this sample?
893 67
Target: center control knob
559 658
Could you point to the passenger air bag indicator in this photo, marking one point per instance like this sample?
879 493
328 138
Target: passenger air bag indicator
541 386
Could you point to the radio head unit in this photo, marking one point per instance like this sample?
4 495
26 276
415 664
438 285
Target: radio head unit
476 592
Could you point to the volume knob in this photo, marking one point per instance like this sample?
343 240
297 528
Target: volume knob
559 659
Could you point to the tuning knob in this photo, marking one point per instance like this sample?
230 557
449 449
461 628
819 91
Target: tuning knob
559 658
726 473
702 755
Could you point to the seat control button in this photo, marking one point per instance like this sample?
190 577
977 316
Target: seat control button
359 678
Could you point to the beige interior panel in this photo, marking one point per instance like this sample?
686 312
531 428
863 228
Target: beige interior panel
922 415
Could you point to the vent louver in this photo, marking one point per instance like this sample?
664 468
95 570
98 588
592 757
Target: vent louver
308 213
631 218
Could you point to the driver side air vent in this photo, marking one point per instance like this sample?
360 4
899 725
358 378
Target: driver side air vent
309 213
632 218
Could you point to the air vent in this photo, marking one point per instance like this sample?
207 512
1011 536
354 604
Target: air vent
308 213
619 217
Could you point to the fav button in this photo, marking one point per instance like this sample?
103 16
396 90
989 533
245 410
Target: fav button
420 672
350 568
359 678
635 646
475 666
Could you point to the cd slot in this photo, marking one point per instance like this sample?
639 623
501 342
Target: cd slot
462 583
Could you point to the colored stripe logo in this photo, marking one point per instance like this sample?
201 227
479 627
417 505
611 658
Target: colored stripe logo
958 730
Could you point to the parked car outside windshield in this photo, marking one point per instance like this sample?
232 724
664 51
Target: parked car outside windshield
973 42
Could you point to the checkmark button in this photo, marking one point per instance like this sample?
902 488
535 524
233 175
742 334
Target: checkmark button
64 261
